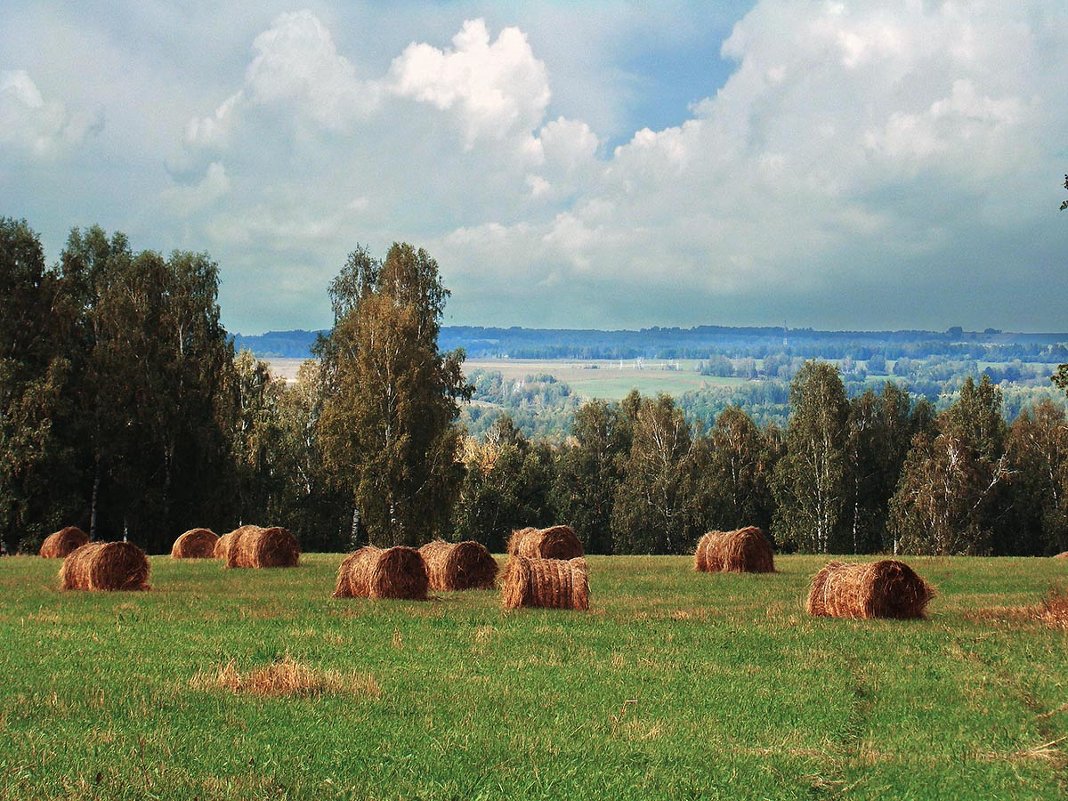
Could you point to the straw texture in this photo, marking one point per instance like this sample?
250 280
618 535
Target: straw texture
105 566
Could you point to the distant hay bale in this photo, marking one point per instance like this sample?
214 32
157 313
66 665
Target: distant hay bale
197 543
105 566
744 550
464 565
555 542
548 583
222 547
63 542
887 588
255 547
371 572
1061 555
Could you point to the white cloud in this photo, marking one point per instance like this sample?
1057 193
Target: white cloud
856 151
29 122
496 89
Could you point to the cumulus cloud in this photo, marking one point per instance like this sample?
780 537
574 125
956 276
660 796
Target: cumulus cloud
496 89
857 151
31 123
298 71
852 144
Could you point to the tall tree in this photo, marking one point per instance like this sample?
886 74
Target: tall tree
506 486
388 420
736 464
151 361
810 480
589 469
881 428
654 508
953 493
35 477
1038 459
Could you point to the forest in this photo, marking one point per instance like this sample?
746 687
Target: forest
125 409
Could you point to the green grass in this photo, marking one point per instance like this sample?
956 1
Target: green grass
675 685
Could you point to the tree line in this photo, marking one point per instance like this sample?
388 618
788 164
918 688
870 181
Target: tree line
124 409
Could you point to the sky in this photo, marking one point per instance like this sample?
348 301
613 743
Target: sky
836 165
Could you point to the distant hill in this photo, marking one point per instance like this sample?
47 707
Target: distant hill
704 341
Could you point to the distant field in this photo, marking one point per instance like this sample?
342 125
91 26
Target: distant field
589 379
607 380
674 685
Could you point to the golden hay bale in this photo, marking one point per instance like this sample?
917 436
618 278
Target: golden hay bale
371 572
63 542
744 550
517 536
887 588
105 566
1061 555
222 547
197 543
555 542
549 583
464 565
252 546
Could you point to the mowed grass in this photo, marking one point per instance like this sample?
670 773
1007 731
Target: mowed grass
675 685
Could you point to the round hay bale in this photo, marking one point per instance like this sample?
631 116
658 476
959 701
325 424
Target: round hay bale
517 537
547 583
1061 555
63 542
105 566
555 542
255 547
464 565
744 550
887 588
371 572
197 543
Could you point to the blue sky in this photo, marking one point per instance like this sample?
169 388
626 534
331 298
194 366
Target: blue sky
830 164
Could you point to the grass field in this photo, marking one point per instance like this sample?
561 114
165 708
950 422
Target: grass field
675 685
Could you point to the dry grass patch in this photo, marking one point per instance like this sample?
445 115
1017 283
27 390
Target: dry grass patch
1051 610
288 678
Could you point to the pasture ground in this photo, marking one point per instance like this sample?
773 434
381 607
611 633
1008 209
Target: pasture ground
675 685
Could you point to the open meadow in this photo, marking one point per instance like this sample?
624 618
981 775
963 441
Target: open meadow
674 685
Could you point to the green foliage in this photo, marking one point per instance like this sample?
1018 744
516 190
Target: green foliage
810 483
34 376
734 468
1038 462
954 488
506 486
589 469
655 506
387 425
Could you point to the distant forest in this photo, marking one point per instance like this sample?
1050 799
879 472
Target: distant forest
707 341
125 409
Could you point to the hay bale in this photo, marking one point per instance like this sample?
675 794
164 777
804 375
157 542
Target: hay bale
548 583
464 565
555 542
255 547
63 542
371 572
887 588
517 536
105 566
197 543
1061 555
222 547
744 550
